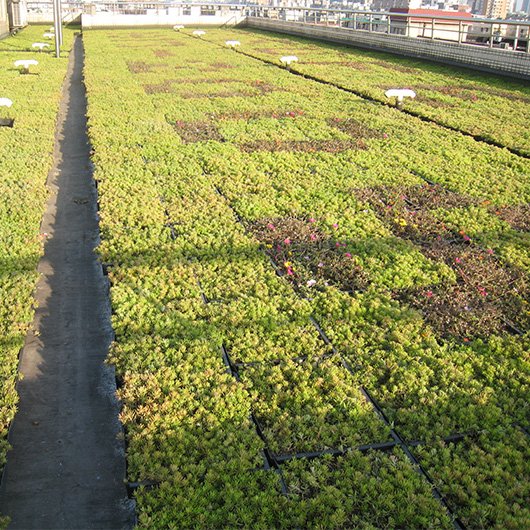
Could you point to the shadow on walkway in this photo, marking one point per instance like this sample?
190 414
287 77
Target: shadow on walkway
67 466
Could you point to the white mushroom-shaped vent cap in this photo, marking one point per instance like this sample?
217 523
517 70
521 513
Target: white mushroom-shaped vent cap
26 62
49 35
233 43
40 45
289 59
400 93
178 26
199 32
5 102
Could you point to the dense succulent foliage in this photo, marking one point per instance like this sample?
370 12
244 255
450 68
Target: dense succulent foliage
313 293
301 278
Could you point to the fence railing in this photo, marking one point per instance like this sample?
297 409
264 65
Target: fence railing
463 29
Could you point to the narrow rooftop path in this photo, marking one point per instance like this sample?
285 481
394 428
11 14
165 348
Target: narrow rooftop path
67 466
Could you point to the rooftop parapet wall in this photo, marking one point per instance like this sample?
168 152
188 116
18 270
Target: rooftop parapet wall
495 60
165 15
108 20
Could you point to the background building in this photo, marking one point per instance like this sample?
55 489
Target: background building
495 8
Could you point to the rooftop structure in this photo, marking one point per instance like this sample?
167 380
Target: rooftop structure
442 29
4 23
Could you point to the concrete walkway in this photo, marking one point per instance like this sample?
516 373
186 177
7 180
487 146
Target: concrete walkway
67 466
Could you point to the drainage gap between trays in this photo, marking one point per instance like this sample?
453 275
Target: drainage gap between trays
133 486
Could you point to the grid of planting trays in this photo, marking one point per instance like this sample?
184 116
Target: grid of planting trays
471 102
27 129
320 303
